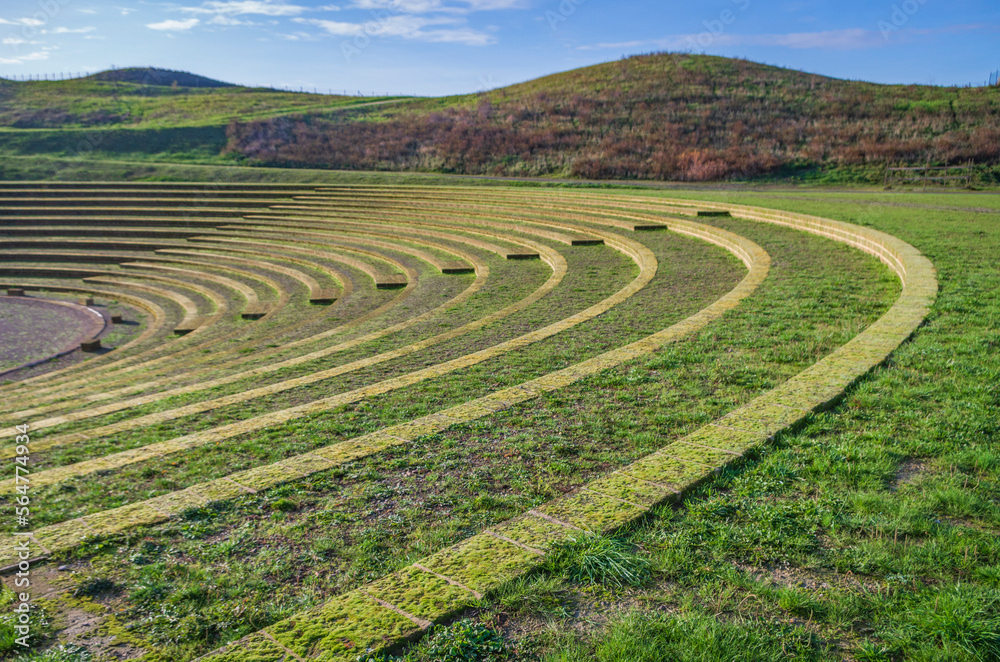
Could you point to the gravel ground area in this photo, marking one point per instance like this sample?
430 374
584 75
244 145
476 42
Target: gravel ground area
33 329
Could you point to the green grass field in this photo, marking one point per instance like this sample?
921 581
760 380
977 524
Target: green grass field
870 534
151 120
866 532
91 104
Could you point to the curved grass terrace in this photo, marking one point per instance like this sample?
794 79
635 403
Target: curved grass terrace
421 449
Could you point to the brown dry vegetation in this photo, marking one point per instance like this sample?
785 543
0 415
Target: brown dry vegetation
659 116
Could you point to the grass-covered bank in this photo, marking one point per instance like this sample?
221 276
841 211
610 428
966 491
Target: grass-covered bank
196 144
868 534
277 552
871 534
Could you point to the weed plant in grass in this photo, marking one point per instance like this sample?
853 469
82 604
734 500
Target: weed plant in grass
61 653
598 560
694 637
40 626
464 641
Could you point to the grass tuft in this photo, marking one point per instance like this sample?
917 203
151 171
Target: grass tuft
960 623
655 637
464 641
597 559
95 586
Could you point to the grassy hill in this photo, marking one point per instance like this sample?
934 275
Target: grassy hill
124 99
155 76
660 117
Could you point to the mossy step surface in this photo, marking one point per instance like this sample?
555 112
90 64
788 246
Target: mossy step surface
487 560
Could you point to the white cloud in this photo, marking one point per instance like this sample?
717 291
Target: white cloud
87 10
14 41
34 22
297 36
174 26
494 5
841 40
21 59
125 11
406 27
427 6
243 7
400 6
221 19
334 27
62 30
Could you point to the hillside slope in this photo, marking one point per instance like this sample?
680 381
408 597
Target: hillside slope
657 117
660 116
155 76
147 98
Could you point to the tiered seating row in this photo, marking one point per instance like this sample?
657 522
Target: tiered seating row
375 232
401 606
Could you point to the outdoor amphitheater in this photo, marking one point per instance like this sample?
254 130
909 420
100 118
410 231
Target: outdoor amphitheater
188 348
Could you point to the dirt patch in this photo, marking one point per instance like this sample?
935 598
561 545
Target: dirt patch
46 581
907 473
73 623
781 575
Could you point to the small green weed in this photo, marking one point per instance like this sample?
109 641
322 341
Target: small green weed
62 653
598 560
539 595
464 641
962 622
94 586
285 505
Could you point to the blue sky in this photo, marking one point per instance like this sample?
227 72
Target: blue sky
436 47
